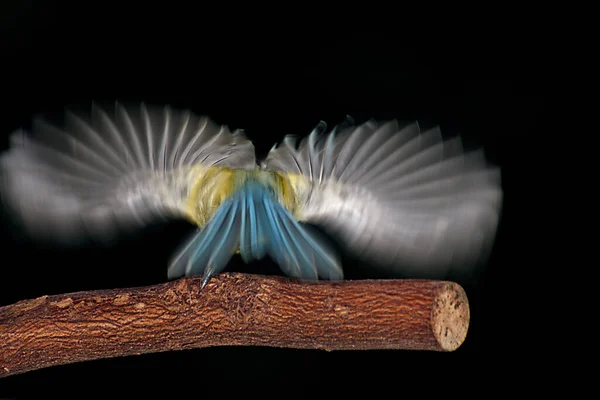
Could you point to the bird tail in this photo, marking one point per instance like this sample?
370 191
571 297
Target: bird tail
254 222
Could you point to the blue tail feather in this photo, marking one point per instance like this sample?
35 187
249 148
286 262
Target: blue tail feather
248 216
256 223
283 249
314 249
209 237
179 261
259 228
208 248
225 243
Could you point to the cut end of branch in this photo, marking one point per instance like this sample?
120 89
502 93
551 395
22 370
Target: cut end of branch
450 317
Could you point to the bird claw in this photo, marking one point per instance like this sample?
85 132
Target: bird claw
205 278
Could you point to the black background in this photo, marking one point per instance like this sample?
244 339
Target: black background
273 83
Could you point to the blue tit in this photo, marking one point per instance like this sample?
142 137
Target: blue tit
396 197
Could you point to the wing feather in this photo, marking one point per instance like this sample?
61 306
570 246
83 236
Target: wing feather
396 197
101 174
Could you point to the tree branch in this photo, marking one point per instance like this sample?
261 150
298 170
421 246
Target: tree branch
233 309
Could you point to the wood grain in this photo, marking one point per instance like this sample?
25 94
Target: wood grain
233 309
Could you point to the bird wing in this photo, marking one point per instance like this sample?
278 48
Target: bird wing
402 199
103 174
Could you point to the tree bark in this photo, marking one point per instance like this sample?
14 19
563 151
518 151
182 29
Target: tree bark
233 309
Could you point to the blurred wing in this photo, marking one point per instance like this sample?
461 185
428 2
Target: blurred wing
397 197
97 177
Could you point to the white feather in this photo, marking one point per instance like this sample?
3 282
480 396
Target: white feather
99 176
397 197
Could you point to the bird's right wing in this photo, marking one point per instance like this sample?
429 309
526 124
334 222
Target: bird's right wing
105 174
400 198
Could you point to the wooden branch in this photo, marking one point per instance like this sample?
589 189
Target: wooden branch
233 309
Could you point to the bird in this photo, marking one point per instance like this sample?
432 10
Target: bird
400 198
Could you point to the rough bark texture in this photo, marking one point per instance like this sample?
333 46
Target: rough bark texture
233 309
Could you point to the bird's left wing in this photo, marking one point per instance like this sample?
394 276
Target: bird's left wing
400 198
111 172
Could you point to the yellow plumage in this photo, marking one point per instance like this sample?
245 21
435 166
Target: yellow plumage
213 185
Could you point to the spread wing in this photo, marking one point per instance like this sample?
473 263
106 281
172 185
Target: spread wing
397 197
104 174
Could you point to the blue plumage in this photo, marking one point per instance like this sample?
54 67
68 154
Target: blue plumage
253 221
252 194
